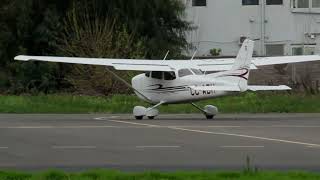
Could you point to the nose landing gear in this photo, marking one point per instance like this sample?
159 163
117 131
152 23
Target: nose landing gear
139 112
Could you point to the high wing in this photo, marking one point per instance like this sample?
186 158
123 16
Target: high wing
170 65
257 61
138 64
264 61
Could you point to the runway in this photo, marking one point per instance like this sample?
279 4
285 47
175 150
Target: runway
171 142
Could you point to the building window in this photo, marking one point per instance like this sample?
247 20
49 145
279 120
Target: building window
275 50
300 3
316 3
199 2
297 51
303 50
274 2
250 2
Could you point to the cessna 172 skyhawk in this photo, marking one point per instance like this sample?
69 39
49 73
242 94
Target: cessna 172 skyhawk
184 81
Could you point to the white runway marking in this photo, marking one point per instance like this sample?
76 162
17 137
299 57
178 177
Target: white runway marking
241 146
224 134
68 127
74 147
140 124
158 147
4 147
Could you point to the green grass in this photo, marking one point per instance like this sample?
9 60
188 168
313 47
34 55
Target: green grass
115 175
250 103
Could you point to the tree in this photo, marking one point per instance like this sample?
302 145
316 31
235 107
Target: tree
29 27
88 35
36 27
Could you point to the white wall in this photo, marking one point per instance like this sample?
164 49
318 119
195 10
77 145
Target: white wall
222 22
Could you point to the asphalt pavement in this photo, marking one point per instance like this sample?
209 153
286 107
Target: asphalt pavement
169 143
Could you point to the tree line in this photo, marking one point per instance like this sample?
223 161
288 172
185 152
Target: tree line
86 28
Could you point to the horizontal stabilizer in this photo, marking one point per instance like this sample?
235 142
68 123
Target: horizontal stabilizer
216 88
269 88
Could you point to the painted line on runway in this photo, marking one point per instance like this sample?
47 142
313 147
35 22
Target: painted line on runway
144 147
68 127
248 136
140 124
241 146
73 147
221 133
4 147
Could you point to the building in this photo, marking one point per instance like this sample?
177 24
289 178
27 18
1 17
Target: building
280 27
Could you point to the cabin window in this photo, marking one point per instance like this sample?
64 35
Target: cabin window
156 74
147 74
197 71
184 72
169 76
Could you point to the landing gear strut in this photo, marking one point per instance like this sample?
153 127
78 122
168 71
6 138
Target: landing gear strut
139 111
209 111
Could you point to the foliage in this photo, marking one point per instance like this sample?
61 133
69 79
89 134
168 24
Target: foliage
116 175
215 52
29 27
247 103
36 27
88 35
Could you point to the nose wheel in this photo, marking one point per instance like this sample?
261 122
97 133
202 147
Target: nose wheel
140 112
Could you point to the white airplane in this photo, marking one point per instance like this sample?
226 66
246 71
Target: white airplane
185 81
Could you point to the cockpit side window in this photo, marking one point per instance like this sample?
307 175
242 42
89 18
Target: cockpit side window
197 71
184 72
157 74
169 76
147 74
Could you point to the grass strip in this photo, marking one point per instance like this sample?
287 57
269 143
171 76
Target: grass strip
246 103
116 175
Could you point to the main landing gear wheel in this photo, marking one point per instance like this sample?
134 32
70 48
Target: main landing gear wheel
139 117
151 117
209 111
209 117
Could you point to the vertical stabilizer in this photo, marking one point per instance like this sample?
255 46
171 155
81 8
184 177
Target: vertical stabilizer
242 64
239 73
244 58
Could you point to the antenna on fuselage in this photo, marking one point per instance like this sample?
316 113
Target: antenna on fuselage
165 57
194 54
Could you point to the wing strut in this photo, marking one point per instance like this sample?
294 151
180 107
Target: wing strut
165 57
127 84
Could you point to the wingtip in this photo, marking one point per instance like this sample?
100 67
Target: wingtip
286 87
21 58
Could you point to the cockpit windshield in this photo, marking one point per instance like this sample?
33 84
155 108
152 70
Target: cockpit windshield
184 72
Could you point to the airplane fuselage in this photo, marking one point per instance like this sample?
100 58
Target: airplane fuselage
175 91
